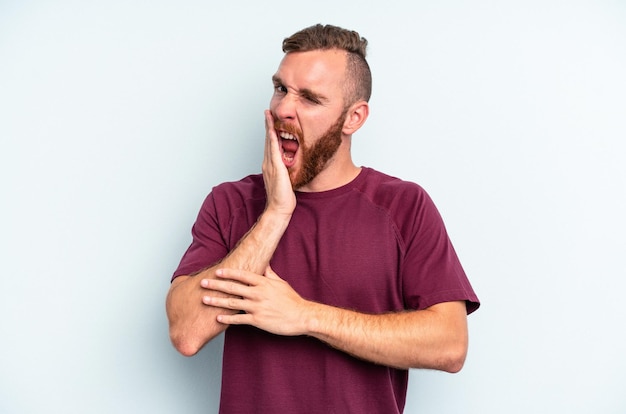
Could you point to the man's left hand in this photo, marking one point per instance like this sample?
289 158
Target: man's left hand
268 301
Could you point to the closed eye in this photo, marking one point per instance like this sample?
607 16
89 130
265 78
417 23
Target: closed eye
311 98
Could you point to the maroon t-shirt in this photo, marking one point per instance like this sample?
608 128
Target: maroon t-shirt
375 245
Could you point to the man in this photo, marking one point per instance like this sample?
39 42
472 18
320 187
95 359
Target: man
330 280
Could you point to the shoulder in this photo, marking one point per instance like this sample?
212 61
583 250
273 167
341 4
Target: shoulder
405 203
388 191
250 187
232 195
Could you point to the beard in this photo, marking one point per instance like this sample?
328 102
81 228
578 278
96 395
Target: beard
316 157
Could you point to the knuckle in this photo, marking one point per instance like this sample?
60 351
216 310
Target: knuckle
231 287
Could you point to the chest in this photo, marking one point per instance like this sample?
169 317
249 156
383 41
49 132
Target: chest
347 257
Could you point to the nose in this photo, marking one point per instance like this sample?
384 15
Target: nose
284 107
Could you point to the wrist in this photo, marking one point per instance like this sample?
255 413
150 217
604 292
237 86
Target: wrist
276 216
269 228
315 318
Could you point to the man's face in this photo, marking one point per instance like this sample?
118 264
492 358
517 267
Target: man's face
313 156
308 110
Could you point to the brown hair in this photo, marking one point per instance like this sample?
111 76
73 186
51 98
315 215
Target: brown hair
320 37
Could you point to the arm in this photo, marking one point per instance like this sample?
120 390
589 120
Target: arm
192 324
433 338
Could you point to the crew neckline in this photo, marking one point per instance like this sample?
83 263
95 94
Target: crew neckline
305 195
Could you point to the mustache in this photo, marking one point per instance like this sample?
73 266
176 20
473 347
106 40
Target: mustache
287 127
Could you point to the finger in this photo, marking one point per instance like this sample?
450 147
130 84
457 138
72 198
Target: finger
269 126
237 319
272 147
270 274
235 304
242 276
206 283
269 121
271 139
227 287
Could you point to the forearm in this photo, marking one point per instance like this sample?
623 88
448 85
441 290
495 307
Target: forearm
256 248
191 323
434 338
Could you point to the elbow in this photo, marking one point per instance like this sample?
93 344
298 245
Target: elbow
189 339
448 356
455 345
454 358
184 345
454 365
449 359
189 342
185 349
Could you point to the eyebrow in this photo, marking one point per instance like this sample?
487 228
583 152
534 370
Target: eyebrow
305 92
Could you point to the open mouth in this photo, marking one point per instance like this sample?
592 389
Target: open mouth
289 146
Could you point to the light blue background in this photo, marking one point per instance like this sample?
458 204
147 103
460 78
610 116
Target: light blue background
117 118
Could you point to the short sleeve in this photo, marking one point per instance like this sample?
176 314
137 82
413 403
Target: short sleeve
207 246
431 270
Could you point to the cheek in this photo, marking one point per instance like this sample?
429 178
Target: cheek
273 103
315 127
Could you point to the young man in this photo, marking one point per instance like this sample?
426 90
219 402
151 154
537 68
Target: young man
330 280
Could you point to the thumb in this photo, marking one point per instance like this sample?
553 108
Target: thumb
270 274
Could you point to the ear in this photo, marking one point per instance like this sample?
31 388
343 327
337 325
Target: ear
355 118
